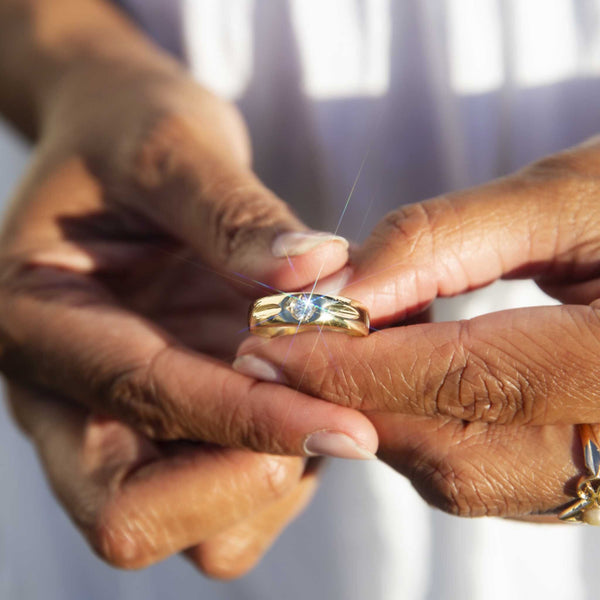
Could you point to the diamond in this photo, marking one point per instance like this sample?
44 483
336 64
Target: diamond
302 308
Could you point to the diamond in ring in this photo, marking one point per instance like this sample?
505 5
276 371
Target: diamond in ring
288 314
302 308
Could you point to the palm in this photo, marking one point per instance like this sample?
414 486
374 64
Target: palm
144 270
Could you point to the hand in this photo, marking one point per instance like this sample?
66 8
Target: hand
126 264
138 501
480 414
117 260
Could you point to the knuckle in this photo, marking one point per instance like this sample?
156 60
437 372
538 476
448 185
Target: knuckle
466 389
162 153
128 396
245 424
574 182
171 136
570 167
240 211
120 540
554 166
566 185
453 487
414 224
280 474
135 395
237 426
489 384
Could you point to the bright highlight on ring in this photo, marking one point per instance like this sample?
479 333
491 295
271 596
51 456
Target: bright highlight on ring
286 314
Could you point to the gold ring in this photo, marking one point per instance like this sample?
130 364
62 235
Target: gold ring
285 314
586 508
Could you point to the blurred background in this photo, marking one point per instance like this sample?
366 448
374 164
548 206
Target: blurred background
428 96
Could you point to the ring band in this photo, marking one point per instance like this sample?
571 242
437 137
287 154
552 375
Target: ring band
586 508
285 314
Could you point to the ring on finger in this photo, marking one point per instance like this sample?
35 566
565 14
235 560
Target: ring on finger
586 509
285 314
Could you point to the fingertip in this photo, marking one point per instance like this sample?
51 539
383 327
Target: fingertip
314 427
334 284
362 432
258 368
297 243
249 345
339 432
336 444
313 260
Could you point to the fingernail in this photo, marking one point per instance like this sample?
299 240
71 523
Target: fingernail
334 284
249 345
295 243
338 445
251 365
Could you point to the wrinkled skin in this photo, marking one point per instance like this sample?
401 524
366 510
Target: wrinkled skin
481 414
136 500
126 268
97 288
140 192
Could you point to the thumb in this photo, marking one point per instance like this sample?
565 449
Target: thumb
540 222
210 199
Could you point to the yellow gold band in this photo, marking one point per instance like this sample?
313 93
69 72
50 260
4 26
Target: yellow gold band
285 314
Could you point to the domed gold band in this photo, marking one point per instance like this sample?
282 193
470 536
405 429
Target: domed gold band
286 314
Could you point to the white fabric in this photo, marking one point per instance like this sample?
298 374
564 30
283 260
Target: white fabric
432 95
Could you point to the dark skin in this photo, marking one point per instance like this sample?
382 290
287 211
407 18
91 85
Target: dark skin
127 263
139 200
482 414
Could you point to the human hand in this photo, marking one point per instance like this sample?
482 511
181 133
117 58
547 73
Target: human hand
126 266
479 414
117 259
137 501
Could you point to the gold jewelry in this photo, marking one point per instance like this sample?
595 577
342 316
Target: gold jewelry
285 314
587 508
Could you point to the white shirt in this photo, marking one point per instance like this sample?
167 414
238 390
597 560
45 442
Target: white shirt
431 95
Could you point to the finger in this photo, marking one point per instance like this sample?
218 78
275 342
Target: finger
135 503
475 469
527 366
213 205
207 196
63 334
236 551
540 222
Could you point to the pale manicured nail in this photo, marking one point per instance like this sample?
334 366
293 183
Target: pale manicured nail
334 284
251 365
336 444
297 243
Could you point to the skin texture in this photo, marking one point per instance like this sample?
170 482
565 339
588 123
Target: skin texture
138 501
479 414
127 263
